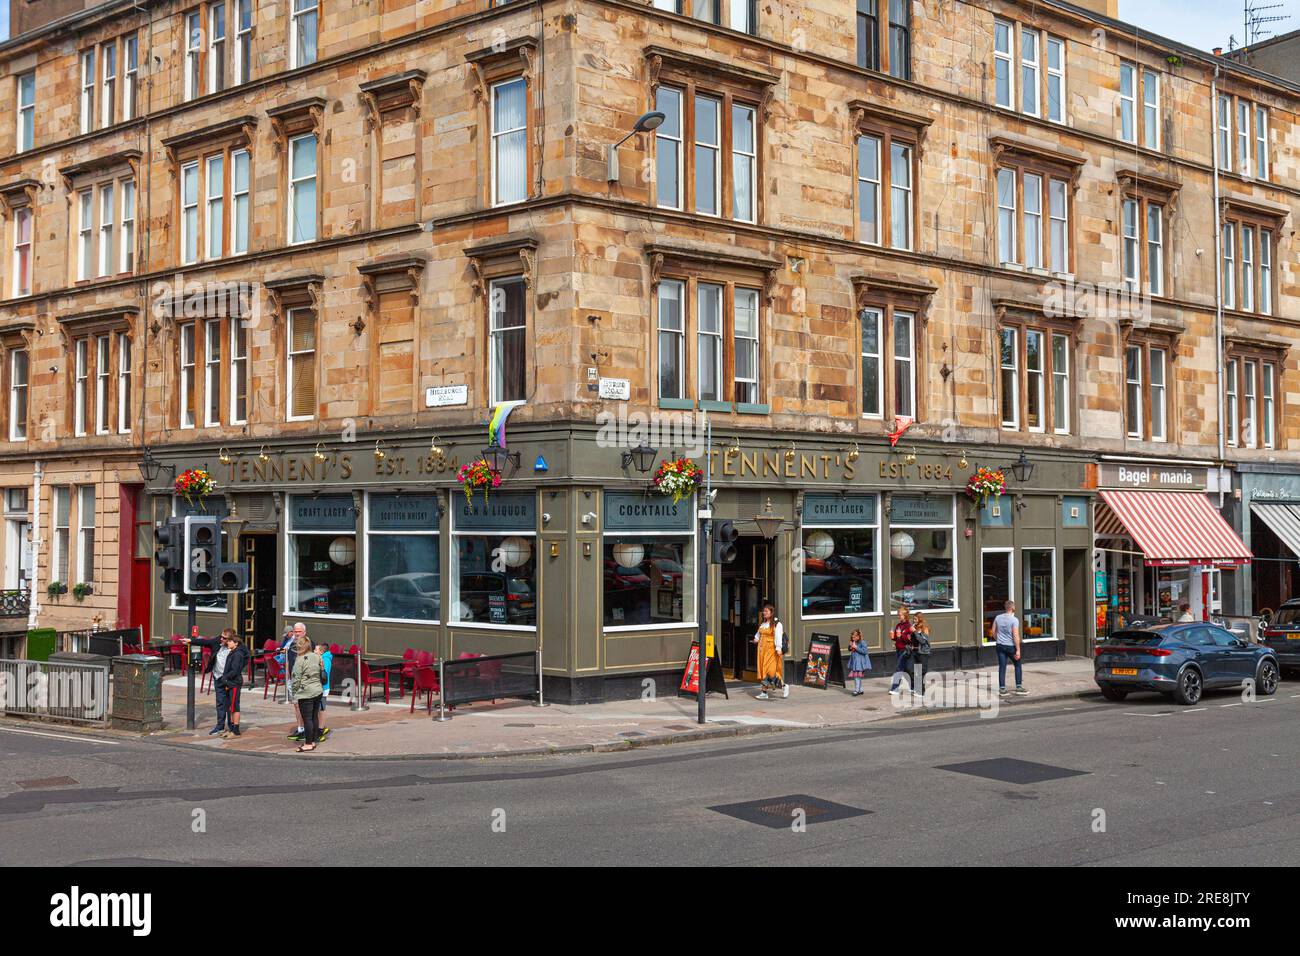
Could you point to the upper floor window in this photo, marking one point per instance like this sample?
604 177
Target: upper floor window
1143 224
708 340
217 52
1250 386
243 52
1033 218
108 82
1242 143
187 392
509 141
18 383
1246 272
1035 370
302 32
1032 62
302 188
87 90
22 258
885 36
740 15
80 385
885 190
123 383
131 75
26 111
301 364
1139 105
507 339
699 173
193 54
1146 392
888 362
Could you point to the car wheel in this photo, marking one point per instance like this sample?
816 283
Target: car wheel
1266 678
1190 687
1113 693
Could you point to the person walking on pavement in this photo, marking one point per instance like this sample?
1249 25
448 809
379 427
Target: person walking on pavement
859 660
770 639
902 635
305 687
1006 638
919 659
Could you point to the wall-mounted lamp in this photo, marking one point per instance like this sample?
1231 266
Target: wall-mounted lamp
642 456
854 455
789 453
223 456
644 124
586 549
911 458
497 459
380 454
962 463
555 549
1023 468
319 455
151 467
262 455
435 449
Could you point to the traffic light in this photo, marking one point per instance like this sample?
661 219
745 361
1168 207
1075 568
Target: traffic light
724 542
202 553
167 538
232 577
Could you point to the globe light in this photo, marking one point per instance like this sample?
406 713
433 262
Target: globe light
343 550
901 545
820 545
516 551
629 554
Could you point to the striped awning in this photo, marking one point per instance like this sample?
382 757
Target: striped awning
1174 528
1283 520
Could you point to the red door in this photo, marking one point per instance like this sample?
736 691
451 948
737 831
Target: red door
135 540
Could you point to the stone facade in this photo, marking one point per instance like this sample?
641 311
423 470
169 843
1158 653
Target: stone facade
408 237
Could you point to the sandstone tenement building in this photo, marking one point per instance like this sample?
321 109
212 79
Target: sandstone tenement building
310 245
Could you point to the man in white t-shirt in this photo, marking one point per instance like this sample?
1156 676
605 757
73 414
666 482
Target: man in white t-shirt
1006 640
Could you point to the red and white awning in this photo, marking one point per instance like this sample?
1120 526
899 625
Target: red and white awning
1172 528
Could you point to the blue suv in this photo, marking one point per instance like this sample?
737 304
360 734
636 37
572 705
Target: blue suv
1282 633
1181 660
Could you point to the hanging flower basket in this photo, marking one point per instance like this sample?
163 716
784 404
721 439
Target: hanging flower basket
195 483
986 484
477 474
678 478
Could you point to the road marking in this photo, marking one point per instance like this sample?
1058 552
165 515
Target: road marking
1239 703
1194 710
1164 713
41 733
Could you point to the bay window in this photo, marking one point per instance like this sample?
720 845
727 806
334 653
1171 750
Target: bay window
214 197
1143 238
1242 140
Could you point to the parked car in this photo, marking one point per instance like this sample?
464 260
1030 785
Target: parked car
512 598
1282 635
1182 661
414 594
836 595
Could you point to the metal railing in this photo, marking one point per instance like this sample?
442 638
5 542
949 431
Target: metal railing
489 678
57 690
15 602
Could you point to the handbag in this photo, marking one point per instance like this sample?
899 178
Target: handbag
922 642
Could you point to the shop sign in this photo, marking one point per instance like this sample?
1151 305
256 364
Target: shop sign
848 511
907 509
1150 477
507 511
321 513
637 512
403 513
439 396
497 608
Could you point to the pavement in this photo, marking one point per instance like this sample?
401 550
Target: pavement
520 728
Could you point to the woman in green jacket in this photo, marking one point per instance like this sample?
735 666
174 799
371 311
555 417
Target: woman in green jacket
305 684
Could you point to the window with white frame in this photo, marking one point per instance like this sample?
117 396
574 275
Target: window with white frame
301 364
1133 391
238 371
840 568
85 233
403 564
1224 139
1268 384
869 177
18 383
1009 351
1250 403
1159 400
711 138
107 226
1249 287
193 54
302 189
1243 137
126 250
189 213
723 320
123 383
670 307
1265 272
1146 391
86 533
882 158
80 385
886 330
1228 275
1025 195
187 390
103 383
26 111
508 339
1004 81
1056 79
746 346
1031 63
669 139
1261 143
130 76
239 188
216 47
904 339
212 331
1029 70
87 90
1247 268
1033 220
243 41
213 220
509 141
22 280
1035 384
1232 410
1061 384
708 336
108 82
1242 143
708 152
61 511
1007 216
1155 263
1150 109
302 33
744 163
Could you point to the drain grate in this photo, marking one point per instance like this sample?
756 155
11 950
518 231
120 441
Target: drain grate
1011 770
42 783
779 812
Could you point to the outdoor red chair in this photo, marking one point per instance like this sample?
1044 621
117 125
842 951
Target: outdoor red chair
177 650
425 681
336 649
274 679
408 670
371 679
205 675
261 659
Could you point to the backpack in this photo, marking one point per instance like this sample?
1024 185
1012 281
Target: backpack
922 644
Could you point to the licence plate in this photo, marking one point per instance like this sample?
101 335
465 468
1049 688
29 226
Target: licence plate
1124 671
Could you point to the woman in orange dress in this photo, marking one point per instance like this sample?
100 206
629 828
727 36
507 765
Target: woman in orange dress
770 639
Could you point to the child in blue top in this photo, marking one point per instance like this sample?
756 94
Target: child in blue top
327 661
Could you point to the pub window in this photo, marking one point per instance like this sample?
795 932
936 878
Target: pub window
884 159
302 188
1146 392
723 318
891 332
509 141
80 385
22 251
1035 384
103 382
403 568
1032 62
87 90
494 562
301 364
26 111
321 563
507 339
187 384
922 573
649 559
18 383
1143 229
123 383
841 556
706 153
302 32
1026 197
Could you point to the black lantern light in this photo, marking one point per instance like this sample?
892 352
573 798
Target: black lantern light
642 456
1023 468
151 467
497 459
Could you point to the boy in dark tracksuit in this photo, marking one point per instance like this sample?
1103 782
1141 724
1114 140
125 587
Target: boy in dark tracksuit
226 665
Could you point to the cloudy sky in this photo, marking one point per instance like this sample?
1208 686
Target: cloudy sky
1203 23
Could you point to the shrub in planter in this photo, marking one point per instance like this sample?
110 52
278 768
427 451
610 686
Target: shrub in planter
79 591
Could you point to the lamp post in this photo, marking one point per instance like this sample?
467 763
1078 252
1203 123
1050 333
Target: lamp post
644 124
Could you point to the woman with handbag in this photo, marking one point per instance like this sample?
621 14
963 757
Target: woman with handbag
770 639
859 661
902 636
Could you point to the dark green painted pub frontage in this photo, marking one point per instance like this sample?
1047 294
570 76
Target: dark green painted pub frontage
373 543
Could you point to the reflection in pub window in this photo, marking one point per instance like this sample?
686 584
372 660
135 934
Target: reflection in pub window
1038 606
921 571
494 562
403 576
648 580
840 556
322 557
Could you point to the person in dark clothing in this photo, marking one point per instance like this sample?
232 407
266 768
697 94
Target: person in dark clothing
226 665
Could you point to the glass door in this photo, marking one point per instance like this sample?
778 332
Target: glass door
996 583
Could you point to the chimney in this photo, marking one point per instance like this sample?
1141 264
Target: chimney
1218 51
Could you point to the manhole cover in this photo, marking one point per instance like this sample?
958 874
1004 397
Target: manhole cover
779 812
42 783
1010 770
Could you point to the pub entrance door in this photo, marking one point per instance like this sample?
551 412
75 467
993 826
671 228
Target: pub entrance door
257 606
746 584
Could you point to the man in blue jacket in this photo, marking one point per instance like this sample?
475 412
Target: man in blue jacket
226 665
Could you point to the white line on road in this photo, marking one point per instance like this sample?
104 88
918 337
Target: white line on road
1240 703
41 733
1166 713
1194 710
